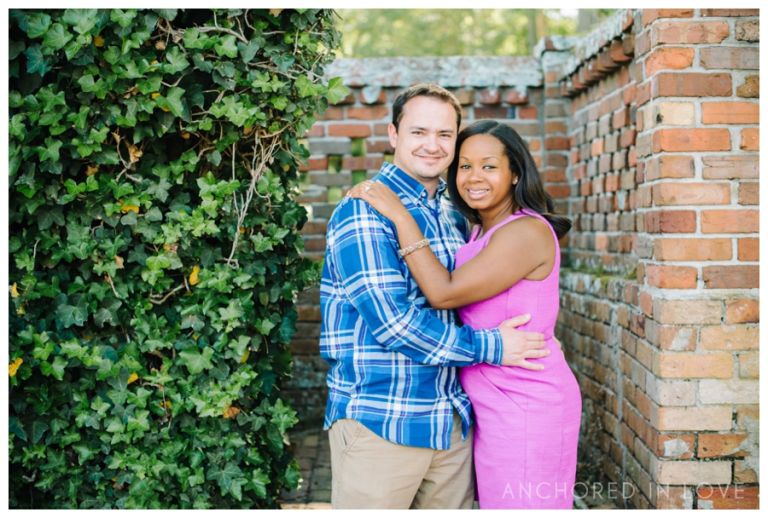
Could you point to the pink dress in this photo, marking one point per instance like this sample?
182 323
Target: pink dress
526 422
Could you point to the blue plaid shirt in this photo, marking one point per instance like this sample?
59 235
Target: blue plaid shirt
392 357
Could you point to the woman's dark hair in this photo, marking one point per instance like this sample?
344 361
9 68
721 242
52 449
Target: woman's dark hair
529 192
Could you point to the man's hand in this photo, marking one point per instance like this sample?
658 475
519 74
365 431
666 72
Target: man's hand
520 346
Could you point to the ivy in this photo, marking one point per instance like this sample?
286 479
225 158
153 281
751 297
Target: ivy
155 252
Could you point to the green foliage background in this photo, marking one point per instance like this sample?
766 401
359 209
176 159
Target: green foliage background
457 32
155 253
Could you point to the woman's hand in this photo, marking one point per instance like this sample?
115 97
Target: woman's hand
381 198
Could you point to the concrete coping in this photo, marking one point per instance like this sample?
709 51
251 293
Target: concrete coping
519 72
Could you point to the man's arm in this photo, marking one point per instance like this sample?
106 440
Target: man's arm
364 255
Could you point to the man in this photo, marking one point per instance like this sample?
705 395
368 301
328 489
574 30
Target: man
399 420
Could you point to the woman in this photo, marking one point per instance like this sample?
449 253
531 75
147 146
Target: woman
527 421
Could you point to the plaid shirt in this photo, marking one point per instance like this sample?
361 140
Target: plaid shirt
392 357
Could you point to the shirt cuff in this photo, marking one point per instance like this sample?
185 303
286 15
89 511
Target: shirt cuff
491 346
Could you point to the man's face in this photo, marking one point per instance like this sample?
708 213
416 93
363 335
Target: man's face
425 142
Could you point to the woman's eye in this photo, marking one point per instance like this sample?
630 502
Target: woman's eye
464 166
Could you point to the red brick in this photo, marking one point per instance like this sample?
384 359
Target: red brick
731 277
690 139
750 139
491 112
687 311
627 138
694 365
728 497
742 311
677 84
515 97
729 221
721 445
672 32
357 163
651 15
729 337
349 130
617 52
490 96
368 112
527 112
332 113
749 249
730 57
695 249
668 58
729 12
317 130
315 164
749 193
556 143
664 221
730 113
689 193
722 167
670 166
466 96
672 277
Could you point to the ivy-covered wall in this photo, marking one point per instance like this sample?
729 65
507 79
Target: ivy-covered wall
155 252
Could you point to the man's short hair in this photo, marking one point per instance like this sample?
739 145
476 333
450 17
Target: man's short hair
425 90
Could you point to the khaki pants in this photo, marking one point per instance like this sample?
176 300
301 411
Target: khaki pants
369 472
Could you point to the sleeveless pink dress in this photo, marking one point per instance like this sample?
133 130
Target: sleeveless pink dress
526 422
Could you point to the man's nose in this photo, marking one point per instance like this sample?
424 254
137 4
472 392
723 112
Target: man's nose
431 142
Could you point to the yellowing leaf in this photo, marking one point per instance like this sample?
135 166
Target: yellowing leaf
231 412
275 12
14 291
133 377
193 277
166 110
14 366
21 310
244 357
91 170
155 95
126 208
119 262
165 404
135 153
98 41
185 135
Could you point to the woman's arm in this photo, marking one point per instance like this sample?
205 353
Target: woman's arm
514 251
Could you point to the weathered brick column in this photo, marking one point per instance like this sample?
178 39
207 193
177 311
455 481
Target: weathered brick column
660 302
698 160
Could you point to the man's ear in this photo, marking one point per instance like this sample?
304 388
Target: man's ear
392 131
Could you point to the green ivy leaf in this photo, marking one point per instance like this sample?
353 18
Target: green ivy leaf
69 316
82 20
57 37
227 46
196 361
336 90
37 25
36 62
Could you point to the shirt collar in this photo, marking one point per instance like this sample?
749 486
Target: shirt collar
407 184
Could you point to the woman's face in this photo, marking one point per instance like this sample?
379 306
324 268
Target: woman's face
484 178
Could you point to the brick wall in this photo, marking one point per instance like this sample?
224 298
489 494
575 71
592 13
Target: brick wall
659 303
646 133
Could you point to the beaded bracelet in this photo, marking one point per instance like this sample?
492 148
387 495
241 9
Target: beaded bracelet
413 247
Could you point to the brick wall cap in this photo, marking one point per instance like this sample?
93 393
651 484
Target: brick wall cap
449 71
590 45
